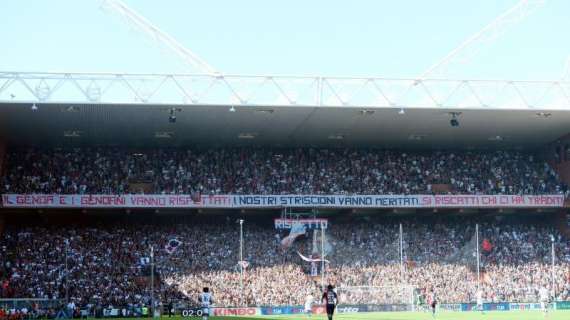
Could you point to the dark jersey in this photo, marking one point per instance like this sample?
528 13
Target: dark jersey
330 297
433 300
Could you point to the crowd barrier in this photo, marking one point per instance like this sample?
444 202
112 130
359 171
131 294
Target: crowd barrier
289 310
457 307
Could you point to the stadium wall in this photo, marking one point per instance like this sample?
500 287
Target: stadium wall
357 308
558 155
2 156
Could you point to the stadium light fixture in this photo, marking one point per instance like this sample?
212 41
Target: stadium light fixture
416 137
496 138
140 23
72 133
366 112
454 122
336 136
163 135
72 109
264 111
247 135
172 116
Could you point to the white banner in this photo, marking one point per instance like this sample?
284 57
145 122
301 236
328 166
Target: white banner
281 201
308 224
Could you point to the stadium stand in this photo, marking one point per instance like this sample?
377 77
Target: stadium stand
106 261
276 171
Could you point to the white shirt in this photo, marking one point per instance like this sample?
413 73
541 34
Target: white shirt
309 302
479 298
543 294
206 299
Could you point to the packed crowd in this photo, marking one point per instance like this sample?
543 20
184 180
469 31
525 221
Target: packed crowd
108 265
274 171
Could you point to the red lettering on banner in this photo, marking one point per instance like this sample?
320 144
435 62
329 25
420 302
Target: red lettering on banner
488 200
517 200
148 201
34 199
438 201
216 200
503 200
454 200
234 312
21 199
180 201
102 200
531 200
426 201
545 200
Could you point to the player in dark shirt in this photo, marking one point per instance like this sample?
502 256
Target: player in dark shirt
331 300
433 303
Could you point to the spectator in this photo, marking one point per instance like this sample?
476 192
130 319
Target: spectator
105 269
275 171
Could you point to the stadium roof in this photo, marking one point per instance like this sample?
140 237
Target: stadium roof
134 109
148 125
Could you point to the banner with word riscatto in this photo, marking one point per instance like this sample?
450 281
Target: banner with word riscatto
280 201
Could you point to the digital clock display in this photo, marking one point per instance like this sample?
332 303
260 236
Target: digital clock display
193 312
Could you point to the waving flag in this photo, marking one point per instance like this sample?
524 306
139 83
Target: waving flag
311 259
243 264
487 245
296 230
172 245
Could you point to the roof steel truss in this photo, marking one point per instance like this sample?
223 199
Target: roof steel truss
235 90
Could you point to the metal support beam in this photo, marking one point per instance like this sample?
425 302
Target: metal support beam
143 25
489 33
281 91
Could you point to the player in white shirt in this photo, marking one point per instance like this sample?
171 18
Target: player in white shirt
309 300
206 300
544 297
480 301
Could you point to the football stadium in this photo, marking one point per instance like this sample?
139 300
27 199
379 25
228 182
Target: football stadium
215 195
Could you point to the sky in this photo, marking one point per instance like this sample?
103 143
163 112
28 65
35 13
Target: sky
395 39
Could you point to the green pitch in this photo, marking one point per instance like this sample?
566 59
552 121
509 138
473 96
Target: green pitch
497 315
